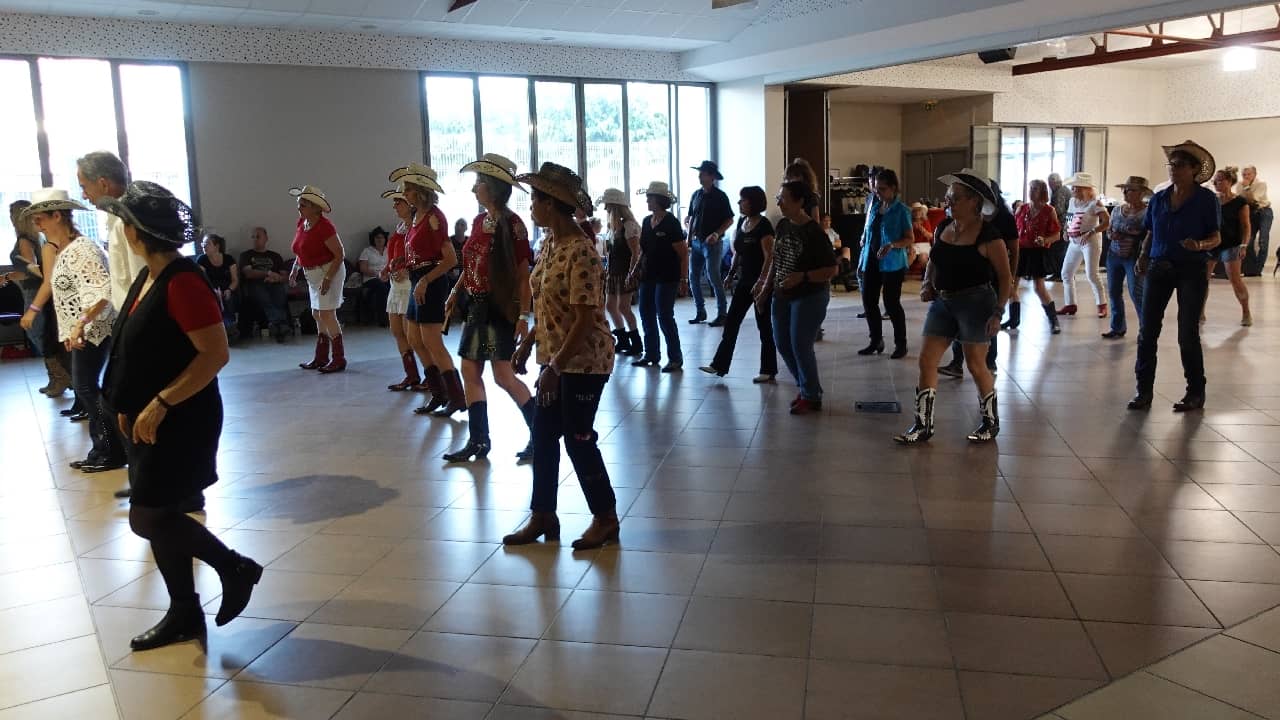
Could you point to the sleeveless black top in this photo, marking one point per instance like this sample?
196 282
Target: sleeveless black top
959 267
1230 228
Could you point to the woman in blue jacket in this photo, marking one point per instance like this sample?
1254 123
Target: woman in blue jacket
883 263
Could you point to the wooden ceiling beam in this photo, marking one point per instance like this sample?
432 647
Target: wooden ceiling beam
1159 48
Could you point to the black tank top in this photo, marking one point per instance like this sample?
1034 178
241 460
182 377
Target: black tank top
619 252
958 267
1231 230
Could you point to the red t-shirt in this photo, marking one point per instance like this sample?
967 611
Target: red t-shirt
191 303
476 250
309 245
425 240
395 250
1029 228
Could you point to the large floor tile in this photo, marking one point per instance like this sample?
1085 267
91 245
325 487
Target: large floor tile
1228 669
1146 600
753 627
880 635
505 610
341 657
613 618
48 622
1125 647
1002 592
1104 555
607 678
1143 695
377 706
255 701
651 572
156 696
994 696
763 687
386 602
537 565
433 560
460 667
1223 561
756 577
893 586
95 703
1032 646
49 670
855 691
1263 630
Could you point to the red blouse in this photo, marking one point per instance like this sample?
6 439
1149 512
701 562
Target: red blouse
425 240
396 250
308 245
476 250
1044 224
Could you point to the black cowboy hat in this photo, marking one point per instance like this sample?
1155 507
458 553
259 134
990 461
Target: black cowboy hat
708 166
153 210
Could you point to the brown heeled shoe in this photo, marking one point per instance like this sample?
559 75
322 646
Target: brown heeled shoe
540 524
604 530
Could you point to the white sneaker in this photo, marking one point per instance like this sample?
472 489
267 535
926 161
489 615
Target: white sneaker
763 379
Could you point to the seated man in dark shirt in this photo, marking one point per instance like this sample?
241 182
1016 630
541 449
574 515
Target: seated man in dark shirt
265 285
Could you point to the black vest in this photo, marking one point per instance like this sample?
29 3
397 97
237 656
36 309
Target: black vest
149 350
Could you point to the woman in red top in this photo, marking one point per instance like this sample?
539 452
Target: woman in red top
318 253
398 299
495 276
1038 228
429 257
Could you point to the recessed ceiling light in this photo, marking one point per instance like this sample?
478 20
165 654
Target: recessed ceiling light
548 38
1238 59
148 12
368 26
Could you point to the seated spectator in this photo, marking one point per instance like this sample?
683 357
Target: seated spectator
372 260
844 255
265 287
223 276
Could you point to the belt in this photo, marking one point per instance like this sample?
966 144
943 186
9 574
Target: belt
428 266
972 290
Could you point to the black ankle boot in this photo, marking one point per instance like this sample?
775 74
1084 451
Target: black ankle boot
1191 401
237 588
181 623
875 348
478 427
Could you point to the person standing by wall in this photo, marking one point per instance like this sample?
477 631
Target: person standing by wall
1255 193
710 215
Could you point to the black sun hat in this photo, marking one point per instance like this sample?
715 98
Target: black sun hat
153 210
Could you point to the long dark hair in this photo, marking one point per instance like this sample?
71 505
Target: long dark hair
502 256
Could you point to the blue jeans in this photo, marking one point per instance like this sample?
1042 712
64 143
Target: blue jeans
658 309
706 259
1120 270
1189 282
795 330
36 335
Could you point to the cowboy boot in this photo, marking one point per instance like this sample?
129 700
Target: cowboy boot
604 530
1015 317
620 343
411 376
922 429
540 524
59 378
237 588
528 410
635 346
456 398
322 354
1051 312
182 622
478 443
990 426
435 386
339 361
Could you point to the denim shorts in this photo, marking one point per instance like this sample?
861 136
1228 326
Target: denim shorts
1230 254
962 315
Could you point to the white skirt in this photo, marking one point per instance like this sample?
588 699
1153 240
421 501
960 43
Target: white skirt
331 300
398 298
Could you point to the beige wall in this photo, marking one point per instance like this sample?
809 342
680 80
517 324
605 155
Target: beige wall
1235 142
864 133
260 129
946 125
1130 151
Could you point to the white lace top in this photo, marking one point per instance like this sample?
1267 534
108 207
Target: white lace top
80 279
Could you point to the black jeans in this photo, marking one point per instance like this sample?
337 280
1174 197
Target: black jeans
1190 282
571 415
875 283
86 378
742 302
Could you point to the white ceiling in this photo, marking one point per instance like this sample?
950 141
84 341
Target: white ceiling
671 25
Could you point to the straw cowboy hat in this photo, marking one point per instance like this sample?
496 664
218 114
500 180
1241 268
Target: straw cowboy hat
417 174
50 200
495 166
1207 165
613 196
154 211
560 183
397 194
313 194
1136 181
1080 179
657 187
976 183
708 166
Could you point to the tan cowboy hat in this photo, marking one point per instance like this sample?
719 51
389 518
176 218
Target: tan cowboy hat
50 200
1080 179
560 183
1207 164
397 194
1136 181
613 196
495 166
312 194
415 173
657 187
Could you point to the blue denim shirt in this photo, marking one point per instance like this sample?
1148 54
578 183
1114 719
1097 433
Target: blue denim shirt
894 224
1199 217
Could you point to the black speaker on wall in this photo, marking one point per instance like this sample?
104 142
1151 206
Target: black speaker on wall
995 56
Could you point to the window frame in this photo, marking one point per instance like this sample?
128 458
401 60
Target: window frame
1076 133
122 139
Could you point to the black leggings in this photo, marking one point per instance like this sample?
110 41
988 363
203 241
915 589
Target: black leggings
873 282
176 539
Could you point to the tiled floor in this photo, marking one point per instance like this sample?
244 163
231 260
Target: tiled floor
771 566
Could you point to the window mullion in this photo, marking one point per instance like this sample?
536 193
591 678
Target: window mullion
42 135
122 136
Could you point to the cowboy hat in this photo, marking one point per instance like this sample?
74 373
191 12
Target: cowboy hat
708 166
416 173
657 187
1080 179
976 183
1207 165
1136 181
397 194
560 183
50 200
154 211
312 194
613 196
495 166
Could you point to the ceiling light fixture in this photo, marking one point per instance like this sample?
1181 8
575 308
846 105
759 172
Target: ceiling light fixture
148 12
1239 59
368 26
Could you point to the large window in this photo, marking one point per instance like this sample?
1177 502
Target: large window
613 134
79 104
1029 153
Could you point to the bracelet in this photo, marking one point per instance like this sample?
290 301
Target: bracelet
34 308
162 402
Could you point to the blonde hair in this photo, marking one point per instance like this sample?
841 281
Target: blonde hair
1231 172
619 215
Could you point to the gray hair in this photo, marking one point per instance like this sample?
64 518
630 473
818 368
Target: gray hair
1055 177
102 164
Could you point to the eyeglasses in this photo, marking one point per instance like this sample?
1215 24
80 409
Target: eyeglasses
1178 164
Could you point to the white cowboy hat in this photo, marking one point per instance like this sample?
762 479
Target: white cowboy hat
495 166
312 194
613 196
397 194
416 173
50 200
560 183
970 179
657 187
1080 179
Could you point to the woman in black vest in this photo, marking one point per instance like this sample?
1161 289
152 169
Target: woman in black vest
162 383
